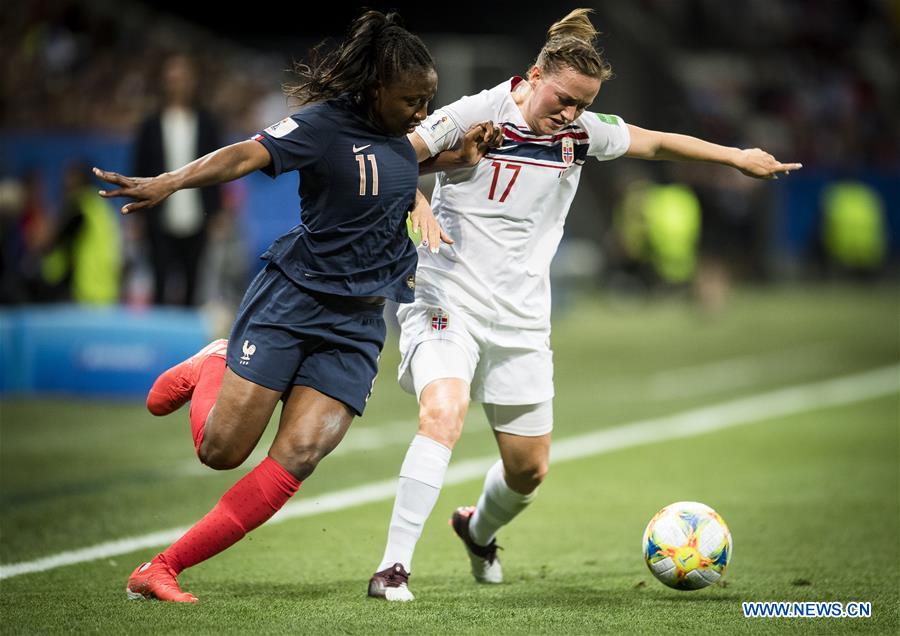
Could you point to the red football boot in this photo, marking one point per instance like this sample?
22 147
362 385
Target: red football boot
156 581
174 388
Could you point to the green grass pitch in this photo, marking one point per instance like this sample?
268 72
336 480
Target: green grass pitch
812 497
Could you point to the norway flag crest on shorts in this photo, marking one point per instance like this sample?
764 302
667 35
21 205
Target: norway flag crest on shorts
439 320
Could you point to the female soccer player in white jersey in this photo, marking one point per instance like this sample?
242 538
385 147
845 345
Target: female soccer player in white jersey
479 328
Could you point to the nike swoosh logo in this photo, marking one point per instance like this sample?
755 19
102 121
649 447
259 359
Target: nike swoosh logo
361 148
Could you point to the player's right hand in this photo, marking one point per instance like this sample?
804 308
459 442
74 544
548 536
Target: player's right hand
147 192
480 138
758 163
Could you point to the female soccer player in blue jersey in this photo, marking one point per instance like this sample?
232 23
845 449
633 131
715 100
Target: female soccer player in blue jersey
310 327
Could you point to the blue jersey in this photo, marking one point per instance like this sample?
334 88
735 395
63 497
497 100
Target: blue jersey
356 186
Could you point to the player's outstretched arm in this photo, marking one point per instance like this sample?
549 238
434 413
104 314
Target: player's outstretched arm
753 162
225 164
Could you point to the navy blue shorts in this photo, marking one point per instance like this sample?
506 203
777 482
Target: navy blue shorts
286 335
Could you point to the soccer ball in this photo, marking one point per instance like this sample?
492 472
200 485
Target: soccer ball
687 545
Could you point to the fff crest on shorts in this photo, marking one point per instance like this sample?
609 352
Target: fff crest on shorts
439 320
568 151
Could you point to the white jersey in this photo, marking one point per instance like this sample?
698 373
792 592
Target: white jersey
507 213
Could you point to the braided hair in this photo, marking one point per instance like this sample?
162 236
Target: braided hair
376 50
570 43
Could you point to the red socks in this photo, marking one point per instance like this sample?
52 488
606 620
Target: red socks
205 394
247 505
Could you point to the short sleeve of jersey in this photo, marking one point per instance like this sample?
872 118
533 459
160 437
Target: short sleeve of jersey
443 129
608 134
294 142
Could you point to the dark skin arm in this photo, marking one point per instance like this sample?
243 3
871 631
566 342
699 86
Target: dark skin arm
225 164
475 143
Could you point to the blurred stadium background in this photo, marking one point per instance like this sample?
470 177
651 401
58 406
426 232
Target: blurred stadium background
738 286
816 85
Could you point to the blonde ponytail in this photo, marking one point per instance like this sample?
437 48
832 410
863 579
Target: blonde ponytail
577 24
570 43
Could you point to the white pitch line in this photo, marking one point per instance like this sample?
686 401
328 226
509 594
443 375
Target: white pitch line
358 439
735 373
691 381
797 399
778 403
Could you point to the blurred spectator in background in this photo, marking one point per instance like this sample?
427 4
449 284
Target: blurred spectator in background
180 132
818 82
853 229
626 244
673 231
31 225
82 259
12 247
655 243
226 266
657 231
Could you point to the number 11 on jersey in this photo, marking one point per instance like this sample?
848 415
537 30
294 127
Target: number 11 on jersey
510 166
362 174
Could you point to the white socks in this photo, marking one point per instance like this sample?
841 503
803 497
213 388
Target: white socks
421 478
497 506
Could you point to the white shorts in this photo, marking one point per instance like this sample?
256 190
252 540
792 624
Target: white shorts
527 420
503 366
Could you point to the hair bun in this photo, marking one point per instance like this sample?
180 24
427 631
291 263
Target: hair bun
576 24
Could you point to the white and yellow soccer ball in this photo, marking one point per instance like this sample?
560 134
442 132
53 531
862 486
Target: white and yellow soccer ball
687 545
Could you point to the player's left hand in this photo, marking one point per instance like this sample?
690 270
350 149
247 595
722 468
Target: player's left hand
422 222
754 162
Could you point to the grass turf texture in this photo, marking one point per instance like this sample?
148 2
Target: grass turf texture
812 499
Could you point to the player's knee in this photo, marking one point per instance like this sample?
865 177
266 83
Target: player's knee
526 478
442 423
540 473
299 460
219 456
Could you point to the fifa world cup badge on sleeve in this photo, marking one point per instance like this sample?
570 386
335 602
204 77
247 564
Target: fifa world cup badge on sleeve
441 128
281 128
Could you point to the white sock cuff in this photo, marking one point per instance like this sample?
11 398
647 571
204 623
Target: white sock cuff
426 461
496 478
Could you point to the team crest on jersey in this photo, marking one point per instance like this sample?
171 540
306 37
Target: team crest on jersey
568 151
411 281
439 320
